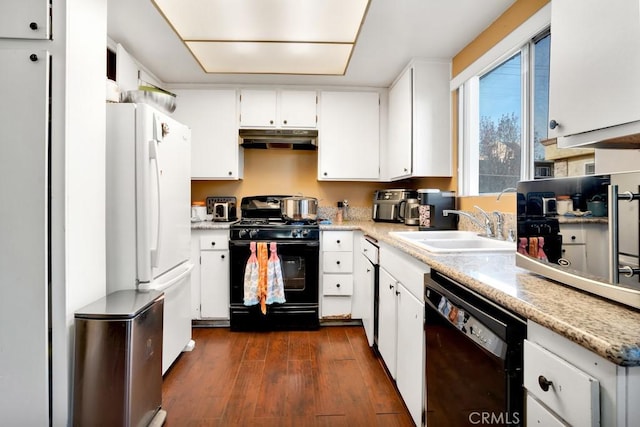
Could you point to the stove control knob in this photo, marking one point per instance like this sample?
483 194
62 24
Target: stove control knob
242 233
305 233
295 232
252 233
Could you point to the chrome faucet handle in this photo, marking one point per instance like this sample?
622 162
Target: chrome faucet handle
511 237
499 225
488 223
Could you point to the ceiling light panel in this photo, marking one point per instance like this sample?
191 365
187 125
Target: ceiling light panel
265 20
272 58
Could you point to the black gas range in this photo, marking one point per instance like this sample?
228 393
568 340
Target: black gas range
297 246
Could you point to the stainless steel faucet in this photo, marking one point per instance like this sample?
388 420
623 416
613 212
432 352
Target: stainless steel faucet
506 190
486 226
499 225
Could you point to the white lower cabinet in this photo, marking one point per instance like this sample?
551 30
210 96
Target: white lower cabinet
210 278
401 325
566 384
336 274
364 277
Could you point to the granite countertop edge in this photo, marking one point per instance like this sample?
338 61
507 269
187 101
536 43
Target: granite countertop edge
603 327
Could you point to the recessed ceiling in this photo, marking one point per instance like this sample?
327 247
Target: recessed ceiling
392 34
267 36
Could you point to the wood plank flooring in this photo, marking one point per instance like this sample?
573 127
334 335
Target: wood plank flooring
328 377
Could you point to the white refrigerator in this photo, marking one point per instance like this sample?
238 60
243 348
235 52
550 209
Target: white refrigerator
148 221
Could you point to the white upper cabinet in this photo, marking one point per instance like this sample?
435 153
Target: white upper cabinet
24 19
349 136
595 63
211 115
419 142
265 108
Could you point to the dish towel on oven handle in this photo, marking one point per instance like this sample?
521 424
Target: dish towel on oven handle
263 260
251 296
275 280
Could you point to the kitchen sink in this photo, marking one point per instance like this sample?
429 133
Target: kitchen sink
449 241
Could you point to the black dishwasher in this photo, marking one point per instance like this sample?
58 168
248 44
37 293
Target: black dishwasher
473 358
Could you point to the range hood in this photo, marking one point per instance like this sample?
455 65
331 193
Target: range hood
293 139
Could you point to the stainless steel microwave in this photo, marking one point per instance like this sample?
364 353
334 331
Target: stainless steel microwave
592 243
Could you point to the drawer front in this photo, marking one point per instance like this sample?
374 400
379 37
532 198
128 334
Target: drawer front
337 284
573 234
214 242
571 393
337 307
337 262
337 241
405 269
538 415
369 250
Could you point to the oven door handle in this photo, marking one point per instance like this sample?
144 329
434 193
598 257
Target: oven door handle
307 243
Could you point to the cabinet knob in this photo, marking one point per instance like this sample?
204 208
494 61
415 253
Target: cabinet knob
325 174
406 170
337 285
553 124
390 286
284 121
33 57
230 173
544 383
222 256
270 122
573 237
338 241
33 26
338 262
397 292
368 270
213 243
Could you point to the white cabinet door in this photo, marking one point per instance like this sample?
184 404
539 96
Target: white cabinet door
410 354
387 320
349 136
258 108
298 109
214 284
24 19
211 115
364 282
24 308
400 126
595 62
419 143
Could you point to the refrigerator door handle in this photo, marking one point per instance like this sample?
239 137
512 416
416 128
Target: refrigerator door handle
153 155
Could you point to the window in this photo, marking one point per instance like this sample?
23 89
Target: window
504 113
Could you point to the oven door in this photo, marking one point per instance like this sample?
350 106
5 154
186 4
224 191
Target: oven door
299 269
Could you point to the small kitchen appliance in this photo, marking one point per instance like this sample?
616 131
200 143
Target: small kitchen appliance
432 202
298 248
409 208
558 246
223 208
388 204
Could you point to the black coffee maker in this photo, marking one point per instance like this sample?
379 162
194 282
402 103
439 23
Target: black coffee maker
432 202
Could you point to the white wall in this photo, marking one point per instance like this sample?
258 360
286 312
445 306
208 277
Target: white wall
78 179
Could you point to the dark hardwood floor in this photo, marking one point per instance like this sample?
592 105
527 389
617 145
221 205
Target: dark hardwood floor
328 377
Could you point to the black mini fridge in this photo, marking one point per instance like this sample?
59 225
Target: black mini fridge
118 361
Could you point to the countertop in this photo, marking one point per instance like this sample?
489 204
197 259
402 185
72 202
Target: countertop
606 328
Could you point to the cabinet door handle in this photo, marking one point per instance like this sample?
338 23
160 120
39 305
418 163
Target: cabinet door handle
397 292
553 124
33 26
390 286
368 270
544 383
